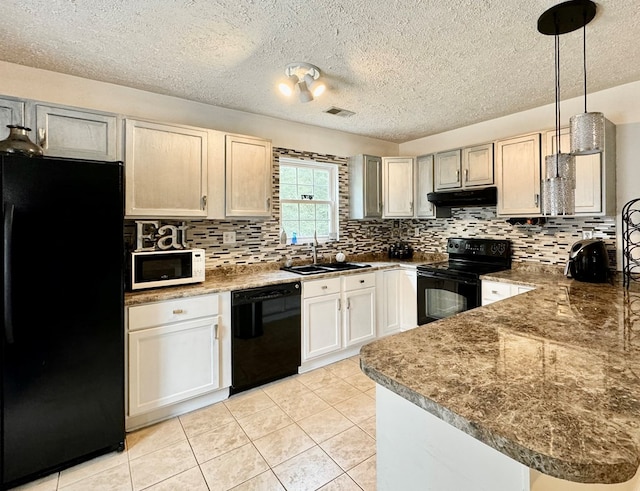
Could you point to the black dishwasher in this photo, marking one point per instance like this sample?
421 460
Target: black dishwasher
266 335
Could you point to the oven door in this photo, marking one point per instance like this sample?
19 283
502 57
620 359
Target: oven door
441 295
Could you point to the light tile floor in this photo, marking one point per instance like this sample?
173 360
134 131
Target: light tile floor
310 431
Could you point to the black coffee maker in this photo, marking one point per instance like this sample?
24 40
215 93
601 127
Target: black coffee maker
588 261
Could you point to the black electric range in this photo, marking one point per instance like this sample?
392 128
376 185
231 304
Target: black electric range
450 287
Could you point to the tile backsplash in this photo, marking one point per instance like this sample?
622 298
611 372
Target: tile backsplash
259 240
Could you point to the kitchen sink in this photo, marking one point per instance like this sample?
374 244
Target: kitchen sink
323 268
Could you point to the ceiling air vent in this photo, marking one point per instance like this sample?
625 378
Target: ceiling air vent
336 111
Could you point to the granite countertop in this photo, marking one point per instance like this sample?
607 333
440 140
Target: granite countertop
240 277
550 377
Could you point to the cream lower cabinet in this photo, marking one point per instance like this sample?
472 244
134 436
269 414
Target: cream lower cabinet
398 300
337 313
174 352
494 291
166 170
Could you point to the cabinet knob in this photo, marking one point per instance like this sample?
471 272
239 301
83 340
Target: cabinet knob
178 311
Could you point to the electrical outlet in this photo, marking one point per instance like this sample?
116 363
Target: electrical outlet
416 232
587 233
228 237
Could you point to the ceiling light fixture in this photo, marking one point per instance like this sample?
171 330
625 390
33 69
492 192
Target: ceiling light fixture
306 77
558 185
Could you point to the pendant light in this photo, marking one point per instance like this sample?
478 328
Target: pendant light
558 185
587 128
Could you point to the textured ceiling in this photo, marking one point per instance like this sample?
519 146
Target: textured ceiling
407 68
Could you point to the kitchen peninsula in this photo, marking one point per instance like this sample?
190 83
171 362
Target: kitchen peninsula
538 392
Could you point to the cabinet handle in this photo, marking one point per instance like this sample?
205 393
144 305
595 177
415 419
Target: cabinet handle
466 175
411 206
204 202
348 303
458 175
216 331
324 287
178 311
537 199
268 202
42 136
495 292
361 281
339 304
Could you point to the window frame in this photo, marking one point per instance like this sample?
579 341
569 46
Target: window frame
333 201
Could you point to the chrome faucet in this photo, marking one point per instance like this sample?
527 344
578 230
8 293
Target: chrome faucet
314 248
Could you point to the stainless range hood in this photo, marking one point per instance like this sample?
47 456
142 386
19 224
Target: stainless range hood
464 198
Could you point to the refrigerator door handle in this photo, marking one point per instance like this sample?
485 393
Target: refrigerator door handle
8 233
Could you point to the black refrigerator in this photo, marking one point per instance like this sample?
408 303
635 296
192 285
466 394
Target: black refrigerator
62 314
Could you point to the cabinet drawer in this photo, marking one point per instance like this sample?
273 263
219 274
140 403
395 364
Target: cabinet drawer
355 282
493 291
155 314
320 287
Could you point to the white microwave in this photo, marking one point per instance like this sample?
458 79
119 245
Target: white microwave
153 269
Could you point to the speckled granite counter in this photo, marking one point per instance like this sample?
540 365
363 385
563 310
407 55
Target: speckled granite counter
550 378
250 276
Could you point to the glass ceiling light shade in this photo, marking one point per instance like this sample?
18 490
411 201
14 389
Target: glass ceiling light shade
304 76
287 86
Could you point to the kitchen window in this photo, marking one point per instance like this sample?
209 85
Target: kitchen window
308 199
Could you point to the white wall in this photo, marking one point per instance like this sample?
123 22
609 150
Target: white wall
30 83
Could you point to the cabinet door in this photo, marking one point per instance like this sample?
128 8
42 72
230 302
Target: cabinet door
447 170
67 132
372 186
424 186
408 299
248 177
172 363
588 174
518 175
397 187
477 165
321 326
11 112
388 300
166 170
359 316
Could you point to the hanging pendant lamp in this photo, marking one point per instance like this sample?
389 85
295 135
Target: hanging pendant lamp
559 183
587 129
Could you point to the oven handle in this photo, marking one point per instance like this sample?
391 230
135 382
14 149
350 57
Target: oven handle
445 276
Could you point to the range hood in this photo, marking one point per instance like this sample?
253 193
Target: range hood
463 198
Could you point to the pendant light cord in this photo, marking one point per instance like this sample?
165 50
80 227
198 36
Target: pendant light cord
584 58
557 70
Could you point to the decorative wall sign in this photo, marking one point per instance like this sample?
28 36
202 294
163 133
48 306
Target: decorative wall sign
150 236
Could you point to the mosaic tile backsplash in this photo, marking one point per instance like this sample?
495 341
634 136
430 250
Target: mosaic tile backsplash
259 241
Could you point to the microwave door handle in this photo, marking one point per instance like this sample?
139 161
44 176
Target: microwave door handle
9 210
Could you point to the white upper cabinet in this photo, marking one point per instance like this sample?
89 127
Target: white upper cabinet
447 170
595 173
397 187
11 112
477 165
518 175
166 170
70 132
248 176
424 186
365 187
466 168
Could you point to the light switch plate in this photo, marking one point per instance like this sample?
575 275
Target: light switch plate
228 237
